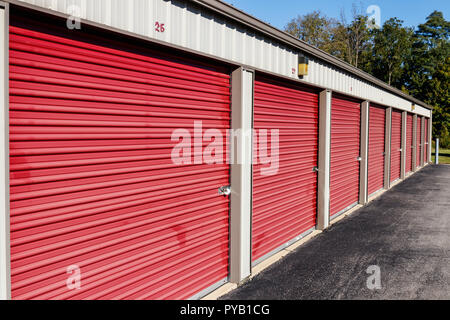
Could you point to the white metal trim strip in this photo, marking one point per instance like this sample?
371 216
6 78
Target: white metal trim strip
5 251
343 211
376 192
208 290
284 246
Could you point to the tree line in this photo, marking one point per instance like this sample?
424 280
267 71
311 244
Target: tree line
414 60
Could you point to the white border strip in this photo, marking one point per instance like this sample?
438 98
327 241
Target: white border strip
208 290
343 211
5 251
284 246
376 192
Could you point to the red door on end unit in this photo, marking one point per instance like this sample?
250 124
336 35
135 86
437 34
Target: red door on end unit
419 141
409 142
377 132
396 145
95 190
345 154
284 190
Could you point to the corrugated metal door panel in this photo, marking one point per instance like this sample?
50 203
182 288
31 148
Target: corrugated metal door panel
396 145
93 184
419 141
409 143
377 132
425 148
284 204
345 151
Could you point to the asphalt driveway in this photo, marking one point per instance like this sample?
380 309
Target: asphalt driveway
405 232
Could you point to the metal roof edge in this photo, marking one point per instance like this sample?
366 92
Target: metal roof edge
250 21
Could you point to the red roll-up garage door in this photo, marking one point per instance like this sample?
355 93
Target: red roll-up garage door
377 132
345 151
94 191
425 148
285 201
396 145
419 141
409 142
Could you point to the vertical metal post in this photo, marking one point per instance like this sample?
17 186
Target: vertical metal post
323 197
415 145
5 254
387 149
404 148
436 161
426 139
430 136
364 153
422 141
241 174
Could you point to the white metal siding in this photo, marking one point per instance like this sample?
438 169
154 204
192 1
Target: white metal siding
190 26
327 76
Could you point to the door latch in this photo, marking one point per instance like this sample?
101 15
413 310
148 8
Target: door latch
225 191
315 169
359 159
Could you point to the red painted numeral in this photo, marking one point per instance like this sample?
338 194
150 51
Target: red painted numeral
159 27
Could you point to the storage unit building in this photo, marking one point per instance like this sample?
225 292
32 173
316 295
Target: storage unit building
159 149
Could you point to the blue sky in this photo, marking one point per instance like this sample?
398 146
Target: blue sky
279 12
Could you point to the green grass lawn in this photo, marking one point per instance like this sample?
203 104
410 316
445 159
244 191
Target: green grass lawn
444 156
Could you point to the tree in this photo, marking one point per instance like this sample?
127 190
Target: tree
430 49
439 96
351 39
356 36
341 39
313 28
390 48
416 62
427 76
435 31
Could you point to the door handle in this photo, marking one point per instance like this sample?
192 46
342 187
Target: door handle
359 159
225 191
